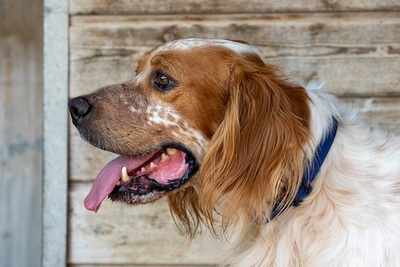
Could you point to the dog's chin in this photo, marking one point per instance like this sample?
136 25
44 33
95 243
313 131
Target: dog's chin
145 178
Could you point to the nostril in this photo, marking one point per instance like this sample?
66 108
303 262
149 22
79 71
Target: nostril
79 108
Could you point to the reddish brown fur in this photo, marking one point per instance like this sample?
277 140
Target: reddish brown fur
256 148
250 131
195 92
255 121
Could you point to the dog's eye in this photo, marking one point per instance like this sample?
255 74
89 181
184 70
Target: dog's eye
163 82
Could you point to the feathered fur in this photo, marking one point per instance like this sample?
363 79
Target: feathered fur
253 134
259 152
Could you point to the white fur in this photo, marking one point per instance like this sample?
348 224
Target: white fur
162 114
352 217
188 44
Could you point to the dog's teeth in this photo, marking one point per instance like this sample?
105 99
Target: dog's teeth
171 151
164 157
119 183
152 165
143 170
124 175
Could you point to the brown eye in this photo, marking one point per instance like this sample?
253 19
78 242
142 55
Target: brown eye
163 82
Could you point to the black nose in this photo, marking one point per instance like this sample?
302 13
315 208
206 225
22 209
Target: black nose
79 108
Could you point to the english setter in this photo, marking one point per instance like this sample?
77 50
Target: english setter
285 173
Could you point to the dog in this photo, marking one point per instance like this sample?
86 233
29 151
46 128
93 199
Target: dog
283 173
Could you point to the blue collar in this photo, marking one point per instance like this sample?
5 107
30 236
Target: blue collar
310 174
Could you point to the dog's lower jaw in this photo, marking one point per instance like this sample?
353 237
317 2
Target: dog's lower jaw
143 180
132 198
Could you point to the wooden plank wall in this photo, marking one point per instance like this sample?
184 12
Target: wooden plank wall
20 132
352 46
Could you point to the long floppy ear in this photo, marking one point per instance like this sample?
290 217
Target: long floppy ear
257 153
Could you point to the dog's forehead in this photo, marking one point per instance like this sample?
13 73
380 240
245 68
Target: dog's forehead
153 57
187 44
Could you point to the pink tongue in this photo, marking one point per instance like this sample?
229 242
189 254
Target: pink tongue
108 178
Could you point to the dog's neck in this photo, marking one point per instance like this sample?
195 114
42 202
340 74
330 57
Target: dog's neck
311 171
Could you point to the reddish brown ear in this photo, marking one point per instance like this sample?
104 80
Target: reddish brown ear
257 153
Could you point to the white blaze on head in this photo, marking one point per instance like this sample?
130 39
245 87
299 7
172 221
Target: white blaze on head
185 44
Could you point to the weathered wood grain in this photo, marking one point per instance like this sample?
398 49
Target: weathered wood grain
122 234
343 76
86 161
223 6
355 54
288 29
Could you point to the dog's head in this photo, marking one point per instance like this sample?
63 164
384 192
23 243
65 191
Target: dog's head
203 121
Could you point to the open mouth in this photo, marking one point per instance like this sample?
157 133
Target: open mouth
144 179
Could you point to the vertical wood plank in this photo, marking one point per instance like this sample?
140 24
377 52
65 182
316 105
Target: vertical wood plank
55 133
20 132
